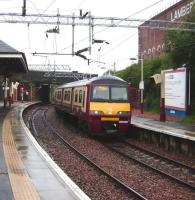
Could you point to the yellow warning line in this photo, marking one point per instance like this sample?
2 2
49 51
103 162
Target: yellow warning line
21 185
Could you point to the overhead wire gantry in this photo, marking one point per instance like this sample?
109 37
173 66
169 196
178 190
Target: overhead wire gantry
86 19
89 20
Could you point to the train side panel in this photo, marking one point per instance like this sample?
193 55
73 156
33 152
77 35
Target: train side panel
66 100
79 100
58 97
72 100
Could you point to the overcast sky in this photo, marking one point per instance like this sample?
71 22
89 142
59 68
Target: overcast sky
123 41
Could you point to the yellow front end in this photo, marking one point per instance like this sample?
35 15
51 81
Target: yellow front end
107 117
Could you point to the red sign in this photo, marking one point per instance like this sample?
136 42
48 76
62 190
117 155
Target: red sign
21 88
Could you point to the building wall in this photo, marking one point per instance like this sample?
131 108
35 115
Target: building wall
152 41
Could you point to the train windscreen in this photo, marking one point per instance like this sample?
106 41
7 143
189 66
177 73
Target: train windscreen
109 93
119 94
100 93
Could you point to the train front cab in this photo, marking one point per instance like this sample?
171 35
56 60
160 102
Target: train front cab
109 109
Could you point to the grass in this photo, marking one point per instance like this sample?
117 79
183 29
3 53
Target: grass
152 110
188 120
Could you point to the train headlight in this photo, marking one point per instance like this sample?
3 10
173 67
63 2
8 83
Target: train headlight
123 113
96 112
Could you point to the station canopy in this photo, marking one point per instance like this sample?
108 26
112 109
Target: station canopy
11 60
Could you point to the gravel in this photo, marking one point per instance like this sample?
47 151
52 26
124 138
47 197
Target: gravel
93 183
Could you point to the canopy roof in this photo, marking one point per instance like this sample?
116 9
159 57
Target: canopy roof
11 60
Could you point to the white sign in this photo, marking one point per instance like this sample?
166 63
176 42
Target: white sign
175 89
7 88
141 85
182 11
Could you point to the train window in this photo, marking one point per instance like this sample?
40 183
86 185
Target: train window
68 96
100 93
76 96
119 93
65 95
80 96
83 98
58 95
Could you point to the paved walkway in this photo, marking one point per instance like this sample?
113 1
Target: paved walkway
136 112
26 170
151 121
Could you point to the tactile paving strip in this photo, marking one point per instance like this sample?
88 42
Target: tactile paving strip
22 187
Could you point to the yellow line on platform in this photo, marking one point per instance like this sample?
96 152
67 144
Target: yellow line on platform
22 187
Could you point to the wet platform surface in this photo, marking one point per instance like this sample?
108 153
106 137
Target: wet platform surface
5 186
169 128
26 171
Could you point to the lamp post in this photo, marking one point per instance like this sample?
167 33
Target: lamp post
141 84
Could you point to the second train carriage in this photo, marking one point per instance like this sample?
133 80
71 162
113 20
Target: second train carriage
101 104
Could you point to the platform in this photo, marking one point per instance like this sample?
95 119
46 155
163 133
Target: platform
26 170
169 128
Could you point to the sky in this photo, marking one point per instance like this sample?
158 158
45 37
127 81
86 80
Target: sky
123 42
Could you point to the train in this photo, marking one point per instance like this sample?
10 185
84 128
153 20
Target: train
101 105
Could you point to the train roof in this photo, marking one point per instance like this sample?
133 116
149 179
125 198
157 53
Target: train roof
100 79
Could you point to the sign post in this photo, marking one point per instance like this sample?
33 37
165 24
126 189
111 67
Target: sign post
162 98
160 79
5 88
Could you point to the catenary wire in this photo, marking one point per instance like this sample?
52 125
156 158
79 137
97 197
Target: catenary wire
117 23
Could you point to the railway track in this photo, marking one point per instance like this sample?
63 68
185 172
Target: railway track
177 171
42 112
148 183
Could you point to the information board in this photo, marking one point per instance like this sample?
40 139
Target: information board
175 89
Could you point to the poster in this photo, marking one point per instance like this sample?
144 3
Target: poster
175 89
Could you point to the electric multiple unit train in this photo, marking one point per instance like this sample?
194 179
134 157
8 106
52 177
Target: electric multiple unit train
101 104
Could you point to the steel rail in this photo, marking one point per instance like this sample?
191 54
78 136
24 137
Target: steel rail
32 120
160 156
124 186
150 167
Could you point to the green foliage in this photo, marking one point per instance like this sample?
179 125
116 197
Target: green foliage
188 120
181 46
132 74
181 49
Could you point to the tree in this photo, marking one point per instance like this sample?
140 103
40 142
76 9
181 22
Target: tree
181 46
132 74
181 49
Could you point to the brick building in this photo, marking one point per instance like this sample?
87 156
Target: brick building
152 41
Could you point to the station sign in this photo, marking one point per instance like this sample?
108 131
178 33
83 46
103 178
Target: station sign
176 91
